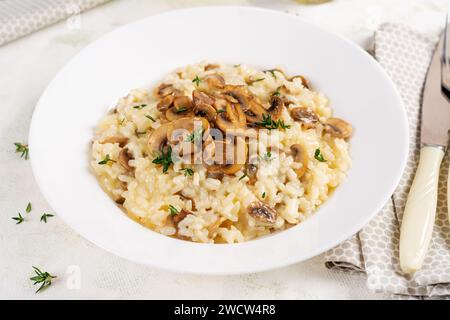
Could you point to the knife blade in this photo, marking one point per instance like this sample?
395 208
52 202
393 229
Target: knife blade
435 106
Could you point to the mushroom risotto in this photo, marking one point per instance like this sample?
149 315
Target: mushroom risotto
221 153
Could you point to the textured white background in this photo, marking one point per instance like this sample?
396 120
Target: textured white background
27 65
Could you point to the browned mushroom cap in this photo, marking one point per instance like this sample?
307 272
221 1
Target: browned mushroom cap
231 119
276 107
158 138
300 155
230 162
338 128
262 212
199 97
305 82
165 103
214 80
122 141
182 107
164 90
203 105
123 158
180 129
253 110
211 66
307 117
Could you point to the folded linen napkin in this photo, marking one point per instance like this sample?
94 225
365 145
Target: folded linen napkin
405 55
21 17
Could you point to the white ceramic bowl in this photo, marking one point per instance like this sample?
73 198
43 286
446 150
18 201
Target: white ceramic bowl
140 54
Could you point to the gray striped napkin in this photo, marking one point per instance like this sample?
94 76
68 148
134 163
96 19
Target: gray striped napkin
405 55
21 17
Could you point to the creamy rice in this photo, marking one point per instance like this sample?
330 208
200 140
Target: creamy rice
218 206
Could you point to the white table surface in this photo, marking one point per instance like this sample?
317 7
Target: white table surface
85 271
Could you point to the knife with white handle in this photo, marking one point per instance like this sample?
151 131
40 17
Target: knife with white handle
420 210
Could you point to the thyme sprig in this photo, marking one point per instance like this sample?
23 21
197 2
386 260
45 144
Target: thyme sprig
106 160
197 80
270 124
164 158
172 210
44 278
188 171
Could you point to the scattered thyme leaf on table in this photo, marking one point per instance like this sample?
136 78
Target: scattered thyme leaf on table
45 216
19 218
22 149
43 278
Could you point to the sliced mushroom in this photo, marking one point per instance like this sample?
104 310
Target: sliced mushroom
262 212
205 110
214 80
300 155
158 138
211 66
164 90
179 136
199 98
253 110
229 162
165 103
120 200
338 128
186 126
307 117
276 107
176 219
203 105
182 107
123 159
122 141
233 118
251 171
305 82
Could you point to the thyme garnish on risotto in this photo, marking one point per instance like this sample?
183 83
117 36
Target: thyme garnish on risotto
165 159
270 124
188 171
197 80
106 160
243 176
28 209
319 156
272 72
139 107
173 211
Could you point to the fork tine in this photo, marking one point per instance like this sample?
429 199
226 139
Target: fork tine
444 49
445 67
